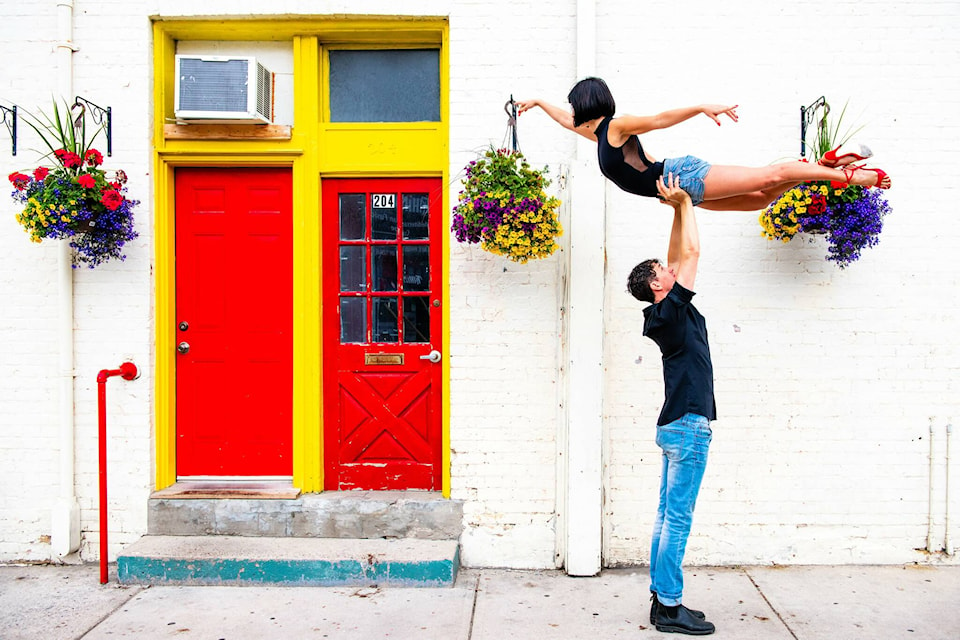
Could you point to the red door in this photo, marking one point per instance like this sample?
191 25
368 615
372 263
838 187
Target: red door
382 333
234 321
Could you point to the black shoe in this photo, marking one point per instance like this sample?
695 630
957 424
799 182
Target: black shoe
655 604
679 619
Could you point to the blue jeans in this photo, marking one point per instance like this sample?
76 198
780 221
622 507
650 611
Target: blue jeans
685 443
690 171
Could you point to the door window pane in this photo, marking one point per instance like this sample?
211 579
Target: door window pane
385 324
383 268
353 268
383 216
416 319
415 209
385 85
416 268
353 216
353 320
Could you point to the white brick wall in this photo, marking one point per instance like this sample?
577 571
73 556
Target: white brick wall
827 380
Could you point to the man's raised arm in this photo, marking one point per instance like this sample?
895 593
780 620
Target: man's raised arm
683 254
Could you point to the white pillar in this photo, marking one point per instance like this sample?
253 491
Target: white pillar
65 519
583 513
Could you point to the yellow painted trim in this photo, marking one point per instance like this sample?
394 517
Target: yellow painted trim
329 29
307 324
444 159
165 293
316 148
164 365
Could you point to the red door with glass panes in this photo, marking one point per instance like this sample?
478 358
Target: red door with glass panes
382 346
234 315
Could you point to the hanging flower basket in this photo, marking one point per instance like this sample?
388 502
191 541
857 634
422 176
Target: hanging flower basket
505 209
75 200
850 217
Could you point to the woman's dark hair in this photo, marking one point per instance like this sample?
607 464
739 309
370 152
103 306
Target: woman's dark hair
591 98
640 278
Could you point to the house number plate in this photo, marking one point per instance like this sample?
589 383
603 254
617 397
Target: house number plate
384 200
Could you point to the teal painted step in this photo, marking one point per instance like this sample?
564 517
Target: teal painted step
231 560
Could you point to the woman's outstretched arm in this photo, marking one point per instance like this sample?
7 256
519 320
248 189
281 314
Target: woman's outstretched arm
627 125
562 117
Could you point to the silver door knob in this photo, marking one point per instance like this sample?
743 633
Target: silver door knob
183 347
433 356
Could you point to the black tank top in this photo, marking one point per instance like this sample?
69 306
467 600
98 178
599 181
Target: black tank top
628 166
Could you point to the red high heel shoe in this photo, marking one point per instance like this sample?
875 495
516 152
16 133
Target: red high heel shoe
846 154
881 177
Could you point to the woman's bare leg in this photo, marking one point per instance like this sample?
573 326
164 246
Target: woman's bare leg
725 181
753 201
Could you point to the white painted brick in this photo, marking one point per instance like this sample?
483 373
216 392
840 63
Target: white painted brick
826 379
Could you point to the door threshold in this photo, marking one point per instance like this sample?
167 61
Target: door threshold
229 489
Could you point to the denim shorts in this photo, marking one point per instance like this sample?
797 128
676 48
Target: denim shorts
691 171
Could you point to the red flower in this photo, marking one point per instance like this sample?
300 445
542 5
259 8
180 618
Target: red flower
111 199
817 205
93 158
40 173
68 158
115 185
19 180
86 181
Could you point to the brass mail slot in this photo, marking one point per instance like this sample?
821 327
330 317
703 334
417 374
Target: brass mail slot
383 358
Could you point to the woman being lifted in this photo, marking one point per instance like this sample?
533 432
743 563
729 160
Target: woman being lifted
719 187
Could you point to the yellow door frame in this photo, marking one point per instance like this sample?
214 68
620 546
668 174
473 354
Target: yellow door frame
315 148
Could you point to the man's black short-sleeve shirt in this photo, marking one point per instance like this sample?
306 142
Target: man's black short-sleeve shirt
681 333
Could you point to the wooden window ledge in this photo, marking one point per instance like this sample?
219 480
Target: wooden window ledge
227 131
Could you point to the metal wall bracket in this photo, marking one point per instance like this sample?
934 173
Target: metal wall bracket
101 116
511 136
11 124
807 114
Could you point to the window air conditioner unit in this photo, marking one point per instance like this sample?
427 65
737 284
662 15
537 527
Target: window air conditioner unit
216 89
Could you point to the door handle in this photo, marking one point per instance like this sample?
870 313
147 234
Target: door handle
433 356
183 347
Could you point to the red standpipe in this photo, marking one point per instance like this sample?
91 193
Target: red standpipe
128 371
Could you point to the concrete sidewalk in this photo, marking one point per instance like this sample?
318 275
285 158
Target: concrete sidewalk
768 603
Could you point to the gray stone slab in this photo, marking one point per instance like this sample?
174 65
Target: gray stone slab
614 605
56 602
331 514
890 602
255 613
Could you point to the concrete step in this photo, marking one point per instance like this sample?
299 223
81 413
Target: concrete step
331 514
233 560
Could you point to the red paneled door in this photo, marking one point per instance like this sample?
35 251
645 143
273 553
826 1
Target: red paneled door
382 333
234 321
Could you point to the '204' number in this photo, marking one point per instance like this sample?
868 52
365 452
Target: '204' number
384 200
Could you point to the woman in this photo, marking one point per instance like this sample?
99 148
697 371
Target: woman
719 187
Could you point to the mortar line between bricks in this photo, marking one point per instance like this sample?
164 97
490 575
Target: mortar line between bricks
769 604
473 610
136 592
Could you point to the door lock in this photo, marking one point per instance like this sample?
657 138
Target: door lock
183 326
183 347
433 356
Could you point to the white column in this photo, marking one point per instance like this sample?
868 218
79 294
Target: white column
583 515
65 519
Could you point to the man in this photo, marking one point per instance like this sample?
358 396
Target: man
683 428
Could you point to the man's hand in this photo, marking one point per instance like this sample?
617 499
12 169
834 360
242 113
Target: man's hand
671 193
